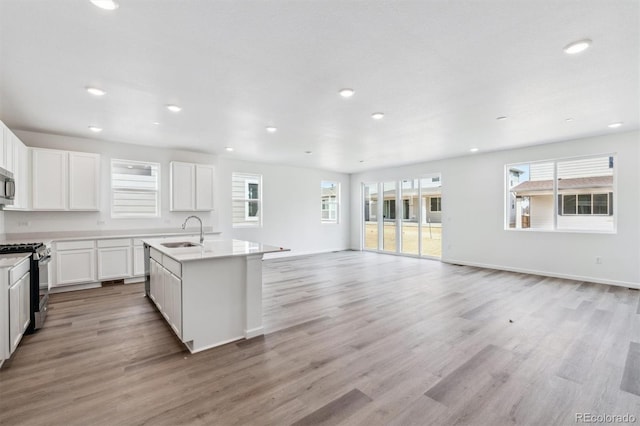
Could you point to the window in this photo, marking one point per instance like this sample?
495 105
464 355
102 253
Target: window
585 204
583 188
435 204
247 199
135 189
329 201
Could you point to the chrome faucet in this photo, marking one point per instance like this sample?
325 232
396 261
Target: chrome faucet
201 230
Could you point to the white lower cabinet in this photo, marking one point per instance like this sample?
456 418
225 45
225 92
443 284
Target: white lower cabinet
165 290
75 266
114 259
138 260
19 294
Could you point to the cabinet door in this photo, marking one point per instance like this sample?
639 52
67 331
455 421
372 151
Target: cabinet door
182 186
14 316
138 261
114 263
175 286
167 307
49 179
153 275
25 302
157 284
9 147
4 135
75 266
204 187
18 310
84 181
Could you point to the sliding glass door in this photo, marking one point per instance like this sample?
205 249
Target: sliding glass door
370 192
390 224
404 217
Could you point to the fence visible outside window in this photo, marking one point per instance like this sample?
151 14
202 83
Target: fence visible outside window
135 189
329 201
569 194
246 199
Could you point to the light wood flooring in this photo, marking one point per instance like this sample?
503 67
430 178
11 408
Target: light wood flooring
352 338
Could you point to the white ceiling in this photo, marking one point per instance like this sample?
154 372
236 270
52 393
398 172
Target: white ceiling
441 71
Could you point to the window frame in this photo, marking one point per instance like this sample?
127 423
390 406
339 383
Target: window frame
591 204
246 200
438 205
559 206
330 203
157 191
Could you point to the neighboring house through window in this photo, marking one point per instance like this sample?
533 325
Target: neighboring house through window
135 189
435 204
247 199
583 190
329 201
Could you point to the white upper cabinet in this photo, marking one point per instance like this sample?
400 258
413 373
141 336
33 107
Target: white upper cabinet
84 181
64 180
204 187
17 157
191 186
183 180
49 179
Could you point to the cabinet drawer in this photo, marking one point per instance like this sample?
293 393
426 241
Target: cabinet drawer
75 245
118 242
155 254
19 270
172 266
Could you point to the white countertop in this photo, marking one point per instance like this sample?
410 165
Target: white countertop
12 259
211 249
48 237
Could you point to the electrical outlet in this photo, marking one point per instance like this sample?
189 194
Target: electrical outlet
598 260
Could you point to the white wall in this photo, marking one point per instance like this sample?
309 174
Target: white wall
16 222
291 207
473 194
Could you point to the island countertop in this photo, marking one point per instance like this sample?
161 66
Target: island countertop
211 249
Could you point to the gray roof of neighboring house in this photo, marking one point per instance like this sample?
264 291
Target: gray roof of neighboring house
573 183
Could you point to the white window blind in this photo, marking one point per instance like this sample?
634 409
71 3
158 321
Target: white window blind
135 189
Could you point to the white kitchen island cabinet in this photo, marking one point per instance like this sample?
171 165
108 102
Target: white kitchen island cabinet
210 294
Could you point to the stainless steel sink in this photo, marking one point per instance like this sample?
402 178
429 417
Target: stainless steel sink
178 244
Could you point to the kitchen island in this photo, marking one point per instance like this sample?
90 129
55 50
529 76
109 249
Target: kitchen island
209 293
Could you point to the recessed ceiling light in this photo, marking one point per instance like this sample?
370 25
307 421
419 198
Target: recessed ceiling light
346 93
568 119
95 91
157 123
377 115
308 152
105 4
615 125
271 129
502 117
229 149
362 161
174 108
577 46
95 129
474 150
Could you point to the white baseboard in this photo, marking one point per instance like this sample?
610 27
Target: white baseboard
294 253
64 289
626 284
254 332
